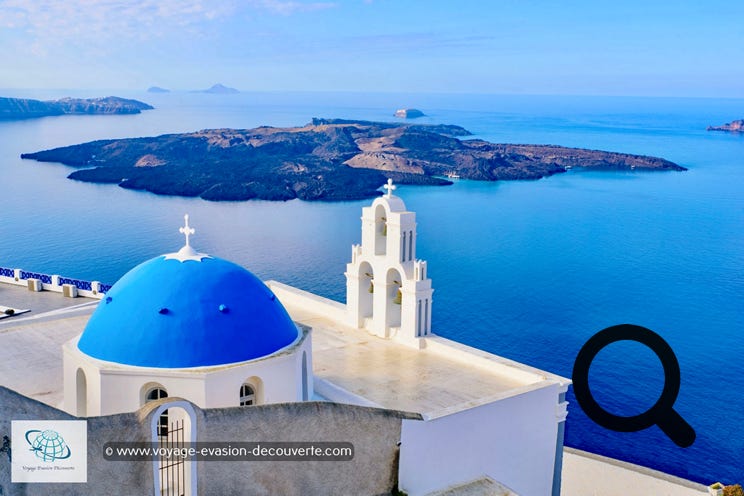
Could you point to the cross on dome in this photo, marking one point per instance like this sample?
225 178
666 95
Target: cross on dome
187 252
389 187
186 230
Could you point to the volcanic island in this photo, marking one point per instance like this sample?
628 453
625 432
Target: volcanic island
325 160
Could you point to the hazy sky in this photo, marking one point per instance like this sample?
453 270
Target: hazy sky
628 47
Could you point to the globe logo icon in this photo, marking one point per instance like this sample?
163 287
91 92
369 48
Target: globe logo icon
47 445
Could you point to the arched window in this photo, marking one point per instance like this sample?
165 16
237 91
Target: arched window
247 395
155 394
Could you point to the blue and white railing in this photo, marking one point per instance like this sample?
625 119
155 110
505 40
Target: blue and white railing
53 282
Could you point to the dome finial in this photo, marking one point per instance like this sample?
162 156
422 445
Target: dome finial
389 187
186 230
187 252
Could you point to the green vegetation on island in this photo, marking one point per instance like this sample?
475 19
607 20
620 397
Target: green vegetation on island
327 159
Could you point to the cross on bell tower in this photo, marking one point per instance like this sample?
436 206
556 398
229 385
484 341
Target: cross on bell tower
390 188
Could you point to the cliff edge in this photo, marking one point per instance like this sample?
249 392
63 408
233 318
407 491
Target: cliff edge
21 108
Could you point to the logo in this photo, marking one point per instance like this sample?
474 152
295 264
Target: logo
48 445
49 451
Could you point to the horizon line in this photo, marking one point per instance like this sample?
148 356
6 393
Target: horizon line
379 92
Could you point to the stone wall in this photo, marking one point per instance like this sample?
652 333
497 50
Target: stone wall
103 477
374 432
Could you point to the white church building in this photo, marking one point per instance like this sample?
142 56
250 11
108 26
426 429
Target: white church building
189 333
187 325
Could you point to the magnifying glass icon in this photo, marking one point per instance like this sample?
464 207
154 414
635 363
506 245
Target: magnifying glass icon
662 413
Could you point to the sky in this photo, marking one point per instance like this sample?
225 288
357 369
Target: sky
630 47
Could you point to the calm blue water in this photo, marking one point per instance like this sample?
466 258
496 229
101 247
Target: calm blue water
528 270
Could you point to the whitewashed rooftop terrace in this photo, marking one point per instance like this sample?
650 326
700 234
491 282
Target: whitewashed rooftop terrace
443 378
433 382
31 343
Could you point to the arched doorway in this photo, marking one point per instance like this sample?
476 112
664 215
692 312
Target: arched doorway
174 476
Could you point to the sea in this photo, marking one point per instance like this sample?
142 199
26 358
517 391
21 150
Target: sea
529 270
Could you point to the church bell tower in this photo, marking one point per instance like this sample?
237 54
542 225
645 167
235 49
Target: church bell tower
387 288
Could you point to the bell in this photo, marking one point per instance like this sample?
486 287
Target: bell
371 287
384 229
398 297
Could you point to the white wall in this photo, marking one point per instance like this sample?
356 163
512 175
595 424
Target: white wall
121 392
92 378
512 440
113 388
280 380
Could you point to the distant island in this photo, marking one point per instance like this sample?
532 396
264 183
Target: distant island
731 127
327 159
219 89
408 113
21 108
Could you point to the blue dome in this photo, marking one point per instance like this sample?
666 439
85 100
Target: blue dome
173 314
